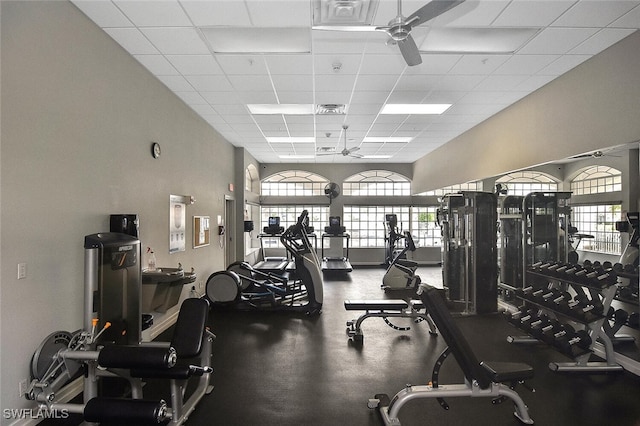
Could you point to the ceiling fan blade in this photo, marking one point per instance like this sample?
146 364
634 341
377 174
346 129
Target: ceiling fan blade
410 51
431 10
355 148
356 155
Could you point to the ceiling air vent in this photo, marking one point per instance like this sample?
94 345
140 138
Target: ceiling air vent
330 109
344 12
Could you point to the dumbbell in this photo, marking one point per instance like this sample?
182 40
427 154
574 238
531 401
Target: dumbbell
514 317
535 323
607 265
523 292
580 339
620 316
561 301
548 296
546 329
585 309
557 331
634 320
526 321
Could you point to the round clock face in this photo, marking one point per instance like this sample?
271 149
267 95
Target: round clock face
155 150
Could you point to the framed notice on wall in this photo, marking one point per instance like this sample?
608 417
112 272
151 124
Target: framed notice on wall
201 231
177 224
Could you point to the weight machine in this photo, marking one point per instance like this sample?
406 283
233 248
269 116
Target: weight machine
533 228
468 221
110 345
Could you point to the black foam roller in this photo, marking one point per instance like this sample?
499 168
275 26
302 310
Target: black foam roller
125 356
125 411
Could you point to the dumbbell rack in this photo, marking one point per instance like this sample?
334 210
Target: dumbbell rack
593 323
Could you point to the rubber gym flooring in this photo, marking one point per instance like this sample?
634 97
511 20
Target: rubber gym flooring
277 368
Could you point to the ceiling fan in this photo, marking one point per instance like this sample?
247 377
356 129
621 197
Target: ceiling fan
399 28
594 154
346 152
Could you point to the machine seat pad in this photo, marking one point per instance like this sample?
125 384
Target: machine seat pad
375 305
508 371
190 327
120 411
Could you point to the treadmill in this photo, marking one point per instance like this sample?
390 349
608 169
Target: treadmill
272 264
336 264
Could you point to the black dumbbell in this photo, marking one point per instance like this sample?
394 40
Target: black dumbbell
561 301
546 329
620 316
580 339
634 320
607 265
558 331
535 324
522 292
514 317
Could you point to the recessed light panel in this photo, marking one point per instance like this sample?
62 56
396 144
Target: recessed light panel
414 108
291 139
258 39
287 109
476 40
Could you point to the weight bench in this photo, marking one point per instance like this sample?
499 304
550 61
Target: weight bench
384 309
482 379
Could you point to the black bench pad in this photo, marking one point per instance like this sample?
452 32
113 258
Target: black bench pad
375 305
508 371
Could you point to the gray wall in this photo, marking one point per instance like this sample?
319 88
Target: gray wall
79 115
591 107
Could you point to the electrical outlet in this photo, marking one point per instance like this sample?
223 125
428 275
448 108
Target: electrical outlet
22 387
22 271
200 285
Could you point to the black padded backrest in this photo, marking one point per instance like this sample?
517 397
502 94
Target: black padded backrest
454 338
190 327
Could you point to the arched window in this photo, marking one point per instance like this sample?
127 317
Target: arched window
293 183
250 178
598 220
597 180
469 186
377 183
523 183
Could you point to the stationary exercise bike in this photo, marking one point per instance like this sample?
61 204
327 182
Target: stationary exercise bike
401 273
391 238
243 287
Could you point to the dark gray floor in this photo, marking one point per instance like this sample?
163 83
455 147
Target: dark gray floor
291 370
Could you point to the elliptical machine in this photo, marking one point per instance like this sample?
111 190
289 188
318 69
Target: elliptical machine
401 273
241 287
392 236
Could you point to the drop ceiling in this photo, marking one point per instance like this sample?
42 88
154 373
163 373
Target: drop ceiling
221 56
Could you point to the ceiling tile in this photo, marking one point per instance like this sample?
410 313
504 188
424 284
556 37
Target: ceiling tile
628 20
195 64
248 83
165 13
277 13
178 41
132 40
292 82
220 13
594 13
472 13
333 82
289 64
103 13
177 83
557 40
210 83
525 64
601 40
242 64
295 97
192 98
563 64
157 64
532 13
478 64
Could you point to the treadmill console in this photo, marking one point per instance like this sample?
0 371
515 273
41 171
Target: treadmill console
274 226
334 227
